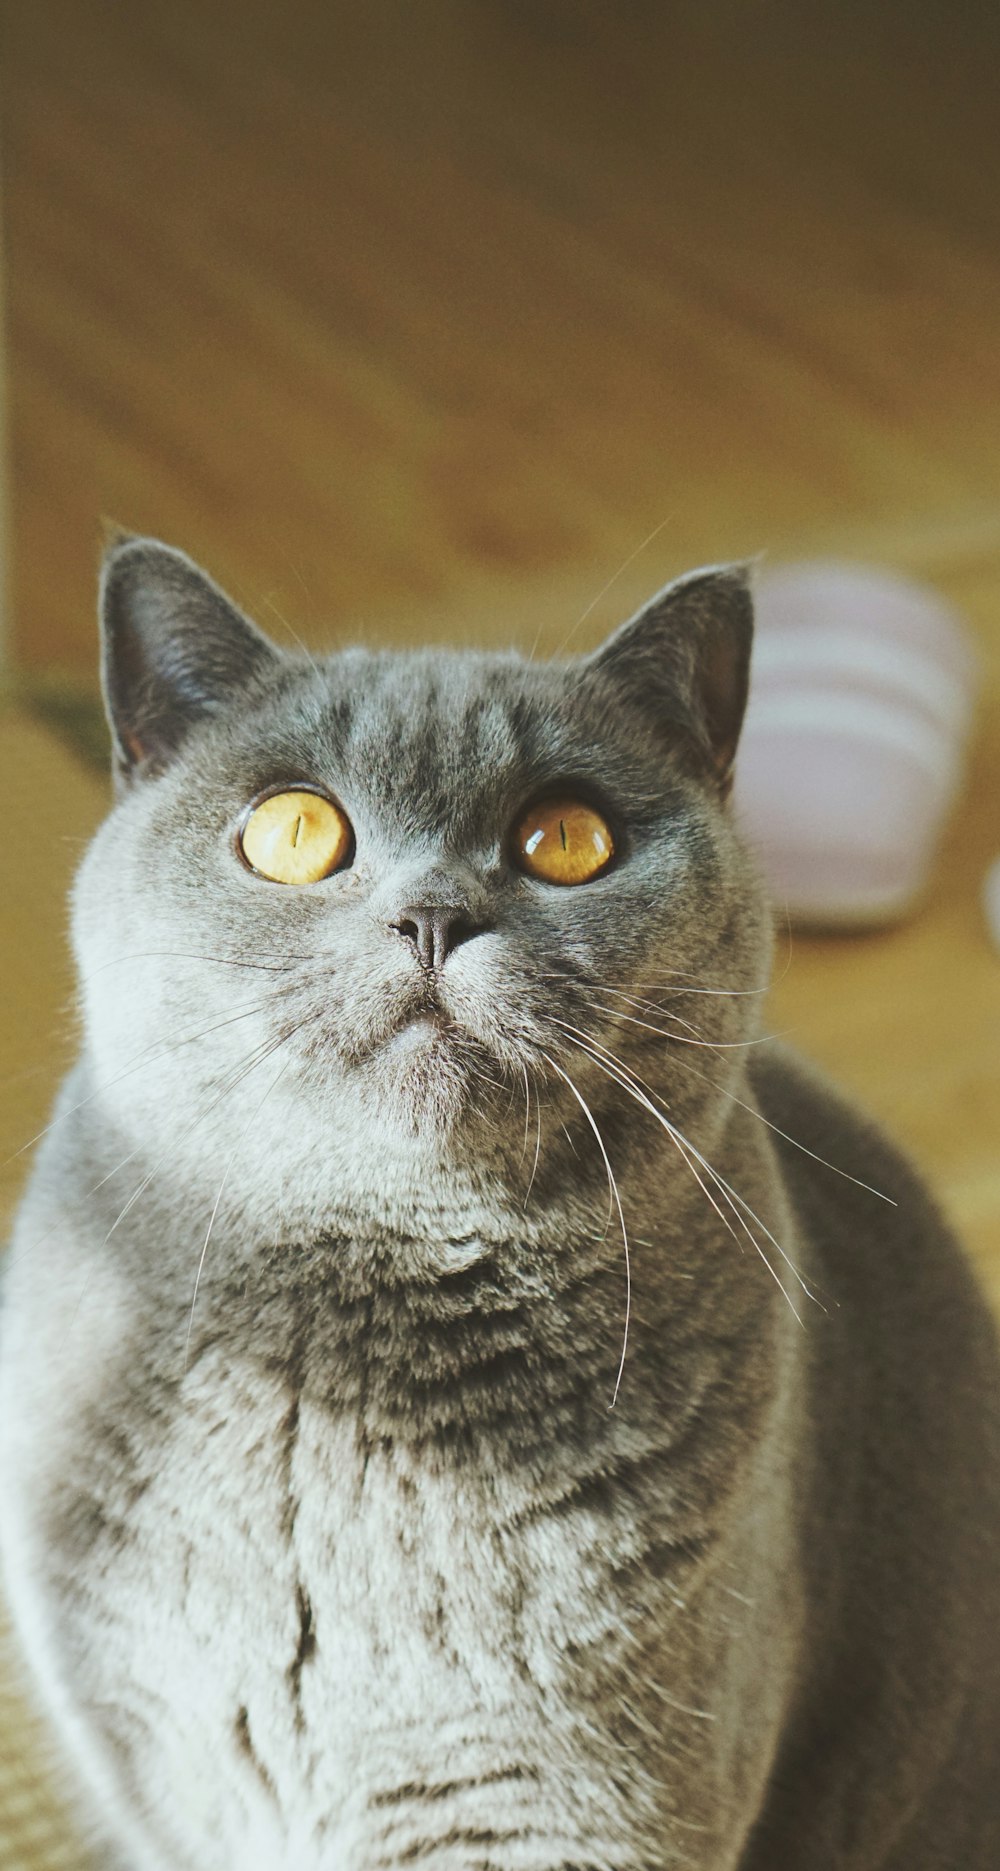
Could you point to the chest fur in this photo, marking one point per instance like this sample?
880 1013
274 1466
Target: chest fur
289 1622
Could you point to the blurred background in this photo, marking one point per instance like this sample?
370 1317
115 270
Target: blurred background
426 319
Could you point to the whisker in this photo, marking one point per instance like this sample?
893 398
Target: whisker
623 567
635 1086
710 1045
676 993
293 633
538 1147
688 1066
527 1114
661 981
565 1131
674 1138
153 1054
255 1057
511 1097
235 1078
278 966
225 1178
733 1195
667 1012
690 1155
588 1114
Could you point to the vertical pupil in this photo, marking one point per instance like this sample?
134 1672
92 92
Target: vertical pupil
298 827
562 832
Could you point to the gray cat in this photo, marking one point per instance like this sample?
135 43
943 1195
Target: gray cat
446 1421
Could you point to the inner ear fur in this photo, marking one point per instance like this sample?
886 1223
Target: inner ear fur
685 659
174 648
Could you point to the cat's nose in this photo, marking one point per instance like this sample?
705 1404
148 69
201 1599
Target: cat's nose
434 929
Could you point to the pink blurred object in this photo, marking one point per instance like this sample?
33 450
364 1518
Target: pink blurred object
853 748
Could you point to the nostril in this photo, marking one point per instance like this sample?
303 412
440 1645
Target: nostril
434 932
461 930
418 930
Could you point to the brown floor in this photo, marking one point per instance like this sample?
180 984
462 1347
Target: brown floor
418 317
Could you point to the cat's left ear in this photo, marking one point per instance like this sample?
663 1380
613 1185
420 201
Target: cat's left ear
174 650
685 658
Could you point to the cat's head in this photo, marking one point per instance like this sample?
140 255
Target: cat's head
352 908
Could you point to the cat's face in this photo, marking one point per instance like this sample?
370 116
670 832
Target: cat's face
426 994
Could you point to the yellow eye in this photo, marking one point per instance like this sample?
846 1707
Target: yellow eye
296 838
563 841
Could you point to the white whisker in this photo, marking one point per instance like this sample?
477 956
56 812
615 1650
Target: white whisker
281 966
666 982
687 1066
225 1178
527 1114
254 1058
635 1087
588 1114
710 1045
674 1135
293 633
538 1146
150 1055
623 567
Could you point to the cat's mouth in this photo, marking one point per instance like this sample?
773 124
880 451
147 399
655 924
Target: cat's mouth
419 1026
423 1051
428 1070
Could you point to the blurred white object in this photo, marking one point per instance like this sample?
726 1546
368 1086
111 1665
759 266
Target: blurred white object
854 742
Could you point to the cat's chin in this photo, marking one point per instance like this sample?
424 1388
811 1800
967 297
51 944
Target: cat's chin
417 1035
430 1079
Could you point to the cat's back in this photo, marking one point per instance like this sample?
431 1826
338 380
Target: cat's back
893 1276
900 1530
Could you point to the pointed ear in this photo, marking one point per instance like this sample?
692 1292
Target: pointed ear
685 657
174 649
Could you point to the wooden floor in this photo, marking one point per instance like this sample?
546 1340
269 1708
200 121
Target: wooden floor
417 318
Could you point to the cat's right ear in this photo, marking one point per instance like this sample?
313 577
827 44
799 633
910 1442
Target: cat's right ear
173 650
685 660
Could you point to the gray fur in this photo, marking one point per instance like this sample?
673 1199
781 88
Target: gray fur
348 1563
